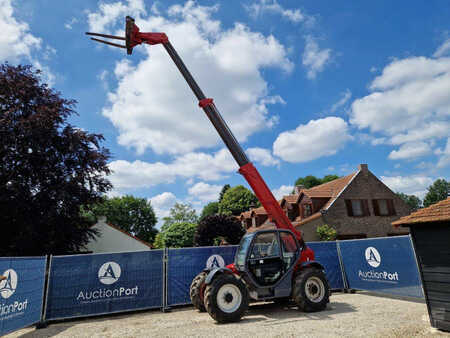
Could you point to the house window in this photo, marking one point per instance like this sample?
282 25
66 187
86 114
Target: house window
383 207
307 210
357 208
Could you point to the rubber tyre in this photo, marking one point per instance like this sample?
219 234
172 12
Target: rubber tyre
314 279
196 291
211 298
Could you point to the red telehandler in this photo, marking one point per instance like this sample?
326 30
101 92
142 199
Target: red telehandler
269 264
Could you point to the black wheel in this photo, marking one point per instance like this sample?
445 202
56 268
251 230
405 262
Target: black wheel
226 299
311 291
197 290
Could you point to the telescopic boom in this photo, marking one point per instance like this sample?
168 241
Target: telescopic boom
134 37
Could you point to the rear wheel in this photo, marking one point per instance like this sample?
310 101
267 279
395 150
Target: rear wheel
226 299
311 291
197 290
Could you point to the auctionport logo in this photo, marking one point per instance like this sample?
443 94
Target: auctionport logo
215 261
373 258
9 285
108 274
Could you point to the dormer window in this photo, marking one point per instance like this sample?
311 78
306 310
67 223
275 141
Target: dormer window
307 210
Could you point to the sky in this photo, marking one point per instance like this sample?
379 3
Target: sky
307 87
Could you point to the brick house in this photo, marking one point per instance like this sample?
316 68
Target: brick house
358 205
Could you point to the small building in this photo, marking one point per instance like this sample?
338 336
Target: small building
430 233
358 205
113 239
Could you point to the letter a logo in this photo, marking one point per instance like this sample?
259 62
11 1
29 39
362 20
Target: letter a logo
109 273
215 261
8 286
373 257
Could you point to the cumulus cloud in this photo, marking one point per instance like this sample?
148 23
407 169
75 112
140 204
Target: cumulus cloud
263 156
272 6
152 106
411 185
317 138
314 59
444 159
282 191
161 205
345 96
16 41
443 49
410 151
205 192
139 174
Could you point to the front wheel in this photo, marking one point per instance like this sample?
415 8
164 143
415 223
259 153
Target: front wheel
311 291
226 299
196 291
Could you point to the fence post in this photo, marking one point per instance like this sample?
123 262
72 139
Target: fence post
341 264
166 307
48 265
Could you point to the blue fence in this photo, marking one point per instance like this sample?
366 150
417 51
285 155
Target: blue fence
326 253
184 264
385 265
21 293
85 285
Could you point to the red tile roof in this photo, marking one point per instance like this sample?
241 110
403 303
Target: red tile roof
259 211
439 212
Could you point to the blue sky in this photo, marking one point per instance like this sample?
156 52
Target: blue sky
308 87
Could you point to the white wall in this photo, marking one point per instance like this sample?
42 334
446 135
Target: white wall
113 240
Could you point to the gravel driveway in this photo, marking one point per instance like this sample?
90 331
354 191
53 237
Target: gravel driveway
347 315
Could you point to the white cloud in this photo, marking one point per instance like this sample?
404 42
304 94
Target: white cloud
411 185
426 131
409 151
272 6
343 100
205 192
16 41
314 58
282 191
443 49
444 159
69 24
139 174
318 138
152 106
161 205
262 156
104 20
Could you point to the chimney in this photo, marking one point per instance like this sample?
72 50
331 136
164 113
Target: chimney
364 169
298 188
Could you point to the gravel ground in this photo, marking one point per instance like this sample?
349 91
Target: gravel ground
347 315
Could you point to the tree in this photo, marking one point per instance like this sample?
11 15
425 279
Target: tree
223 191
215 226
159 241
180 235
326 233
211 208
413 201
329 178
438 191
48 168
308 181
132 214
236 200
179 213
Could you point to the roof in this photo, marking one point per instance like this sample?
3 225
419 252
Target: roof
259 211
314 216
439 212
125 233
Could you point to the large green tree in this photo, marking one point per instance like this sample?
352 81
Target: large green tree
180 235
413 201
223 191
132 214
236 200
312 181
48 168
179 213
211 208
438 191
214 226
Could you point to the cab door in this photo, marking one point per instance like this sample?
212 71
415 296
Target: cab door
265 262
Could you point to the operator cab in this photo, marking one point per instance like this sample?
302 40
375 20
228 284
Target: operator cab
267 255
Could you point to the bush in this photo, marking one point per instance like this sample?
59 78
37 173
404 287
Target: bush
326 233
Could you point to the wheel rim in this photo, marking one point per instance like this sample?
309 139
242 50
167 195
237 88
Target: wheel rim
315 289
229 298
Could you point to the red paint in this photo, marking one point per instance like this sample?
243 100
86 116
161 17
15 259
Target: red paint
205 102
149 38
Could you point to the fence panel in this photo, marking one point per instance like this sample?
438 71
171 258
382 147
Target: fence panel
86 285
385 265
326 254
21 293
184 264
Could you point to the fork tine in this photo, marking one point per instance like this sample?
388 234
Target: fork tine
106 36
109 43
